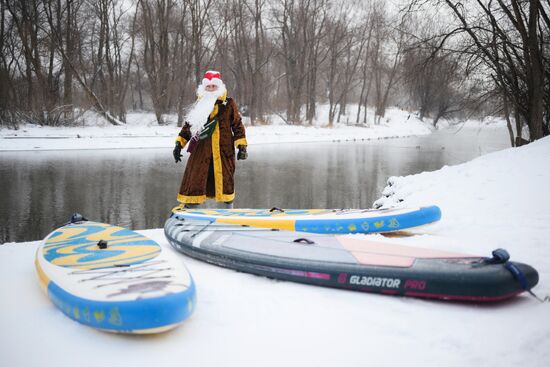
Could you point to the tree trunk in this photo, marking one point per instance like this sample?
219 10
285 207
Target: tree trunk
519 125
139 86
508 122
68 82
536 94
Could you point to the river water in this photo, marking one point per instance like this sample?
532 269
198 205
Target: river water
137 188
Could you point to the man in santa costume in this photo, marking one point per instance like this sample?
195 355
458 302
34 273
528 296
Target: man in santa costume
213 129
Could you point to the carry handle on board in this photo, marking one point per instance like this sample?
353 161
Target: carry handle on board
500 256
304 241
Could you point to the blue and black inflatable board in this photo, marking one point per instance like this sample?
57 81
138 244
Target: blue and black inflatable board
114 279
330 221
351 262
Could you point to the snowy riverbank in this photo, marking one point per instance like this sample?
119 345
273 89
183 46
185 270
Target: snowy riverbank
142 131
498 200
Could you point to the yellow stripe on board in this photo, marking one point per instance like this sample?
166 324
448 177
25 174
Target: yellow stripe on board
66 248
131 254
67 233
283 224
109 235
264 213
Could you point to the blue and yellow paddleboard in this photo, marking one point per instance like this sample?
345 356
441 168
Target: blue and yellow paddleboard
328 221
114 279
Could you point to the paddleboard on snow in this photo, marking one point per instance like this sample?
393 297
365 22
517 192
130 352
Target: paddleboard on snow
351 262
114 279
333 221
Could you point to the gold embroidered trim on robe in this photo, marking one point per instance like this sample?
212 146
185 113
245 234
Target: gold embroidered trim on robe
218 172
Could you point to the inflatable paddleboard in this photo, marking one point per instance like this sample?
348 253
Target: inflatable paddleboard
333 221
114 279
352 263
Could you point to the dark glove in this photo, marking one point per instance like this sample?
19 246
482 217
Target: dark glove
186 131
177 152
242 155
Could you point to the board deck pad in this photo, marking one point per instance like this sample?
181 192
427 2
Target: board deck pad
333 221
348 262
133 285
76 247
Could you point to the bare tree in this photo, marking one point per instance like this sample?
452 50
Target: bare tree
345 44
386 59
6 67
183 79
42 80
70 35
366 79
354 56
155 17
243 48
292 19
316 54
55 37
507 37
198 10
434 83
115 23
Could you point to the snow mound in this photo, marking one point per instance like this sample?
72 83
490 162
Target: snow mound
497 200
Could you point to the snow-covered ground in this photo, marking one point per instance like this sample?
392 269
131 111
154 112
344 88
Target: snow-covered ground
498 200
142 131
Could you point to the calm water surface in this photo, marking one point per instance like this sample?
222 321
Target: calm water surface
137 188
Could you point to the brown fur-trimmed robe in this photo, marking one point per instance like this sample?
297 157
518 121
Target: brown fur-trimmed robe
211 166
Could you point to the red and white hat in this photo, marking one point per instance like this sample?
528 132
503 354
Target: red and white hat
212 77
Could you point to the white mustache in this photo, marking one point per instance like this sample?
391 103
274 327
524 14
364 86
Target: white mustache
198 114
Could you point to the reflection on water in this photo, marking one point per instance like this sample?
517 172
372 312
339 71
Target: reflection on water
137 188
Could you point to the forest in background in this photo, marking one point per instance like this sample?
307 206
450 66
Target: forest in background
442 58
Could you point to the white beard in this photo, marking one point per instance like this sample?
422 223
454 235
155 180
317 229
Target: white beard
201 109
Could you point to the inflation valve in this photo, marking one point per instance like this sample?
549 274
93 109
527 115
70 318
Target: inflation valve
77 217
